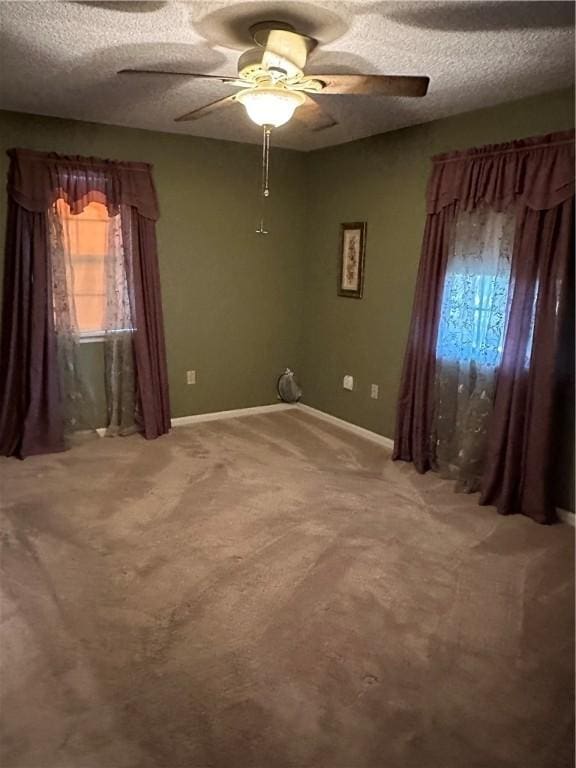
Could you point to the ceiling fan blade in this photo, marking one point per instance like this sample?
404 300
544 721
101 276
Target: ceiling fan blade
214 106
373 85
313 116
221 78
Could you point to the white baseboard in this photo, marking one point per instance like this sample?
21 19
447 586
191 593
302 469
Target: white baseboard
386 442
569 518
566 517
182 421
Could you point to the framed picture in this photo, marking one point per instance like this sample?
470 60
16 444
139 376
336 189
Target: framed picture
352 249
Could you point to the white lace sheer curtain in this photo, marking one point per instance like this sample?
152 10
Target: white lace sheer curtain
119 377
118 349
77 394
470 341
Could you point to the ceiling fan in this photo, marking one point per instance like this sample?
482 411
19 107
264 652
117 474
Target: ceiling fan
275 87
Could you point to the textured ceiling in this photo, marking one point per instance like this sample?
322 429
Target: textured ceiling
61 58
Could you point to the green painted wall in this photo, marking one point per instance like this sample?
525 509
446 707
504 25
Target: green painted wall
231 298
382 180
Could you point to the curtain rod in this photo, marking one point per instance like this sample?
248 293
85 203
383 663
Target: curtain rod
469 154
47 157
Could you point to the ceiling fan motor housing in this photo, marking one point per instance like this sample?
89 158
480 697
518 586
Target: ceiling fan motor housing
259 64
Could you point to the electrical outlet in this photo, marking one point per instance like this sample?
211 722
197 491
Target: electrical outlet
190 377
374 391
348 382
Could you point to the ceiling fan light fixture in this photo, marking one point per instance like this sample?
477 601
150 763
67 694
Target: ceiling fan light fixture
270 106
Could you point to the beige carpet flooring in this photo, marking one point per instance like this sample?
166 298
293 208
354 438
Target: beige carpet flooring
273 592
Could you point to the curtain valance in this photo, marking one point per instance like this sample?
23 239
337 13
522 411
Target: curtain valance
37 179
537 172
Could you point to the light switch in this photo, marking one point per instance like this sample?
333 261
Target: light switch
374 392
190 377
348 382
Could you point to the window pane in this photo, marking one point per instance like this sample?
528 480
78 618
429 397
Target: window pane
89 312
473 318
475 300
88 275
92 237
90 266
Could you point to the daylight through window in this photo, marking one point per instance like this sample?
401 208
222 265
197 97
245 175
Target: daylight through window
89 240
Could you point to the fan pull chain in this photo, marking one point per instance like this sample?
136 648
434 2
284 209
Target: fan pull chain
266 161
265 186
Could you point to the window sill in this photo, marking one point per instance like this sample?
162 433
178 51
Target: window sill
98 336
89 338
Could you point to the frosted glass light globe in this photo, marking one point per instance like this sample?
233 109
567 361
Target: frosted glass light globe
270 106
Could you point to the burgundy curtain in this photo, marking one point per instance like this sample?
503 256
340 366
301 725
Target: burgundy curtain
31 409
415 407
153 411
536 177
520 454
31 412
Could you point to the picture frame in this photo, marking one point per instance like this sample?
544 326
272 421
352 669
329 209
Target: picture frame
352 257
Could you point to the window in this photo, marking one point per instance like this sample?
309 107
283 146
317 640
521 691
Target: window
475 299
473 318
93 246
